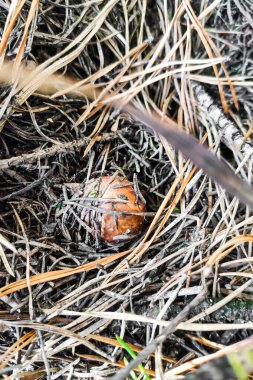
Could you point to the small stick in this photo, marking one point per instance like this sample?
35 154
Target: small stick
56 149
228 130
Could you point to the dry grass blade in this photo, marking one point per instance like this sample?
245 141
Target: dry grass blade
185 326
5 261
209 46
119 363
43 72
132 92
14 12
242 81
16 347
209 9
21 49
77 87
189 366
225 249
104 93
54 82
56 330
115 343
54 275
199 155
5 243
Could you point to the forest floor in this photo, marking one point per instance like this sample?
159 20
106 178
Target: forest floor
66 296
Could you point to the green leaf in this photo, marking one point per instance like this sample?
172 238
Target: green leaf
133 355
132 373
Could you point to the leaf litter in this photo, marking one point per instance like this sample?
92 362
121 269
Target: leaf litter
70 293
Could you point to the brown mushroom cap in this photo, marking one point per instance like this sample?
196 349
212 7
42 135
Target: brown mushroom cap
116 227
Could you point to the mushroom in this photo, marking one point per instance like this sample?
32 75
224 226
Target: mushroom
116 208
